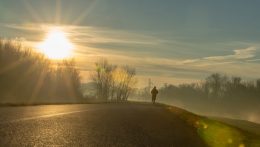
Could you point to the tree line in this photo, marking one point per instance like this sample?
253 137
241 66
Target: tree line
217 91
27 76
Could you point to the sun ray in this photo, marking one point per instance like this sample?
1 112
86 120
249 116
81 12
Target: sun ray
23 76
58 11
84 13
11 66
38 86
31 10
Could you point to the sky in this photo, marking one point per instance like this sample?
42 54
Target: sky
169 41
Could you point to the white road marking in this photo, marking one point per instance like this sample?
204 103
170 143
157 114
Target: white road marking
42 116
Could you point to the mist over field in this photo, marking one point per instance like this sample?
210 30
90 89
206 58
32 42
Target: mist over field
218 95
233 112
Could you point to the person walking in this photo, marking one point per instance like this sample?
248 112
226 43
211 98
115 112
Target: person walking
154 93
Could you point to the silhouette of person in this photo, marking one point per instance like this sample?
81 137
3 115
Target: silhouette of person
154 93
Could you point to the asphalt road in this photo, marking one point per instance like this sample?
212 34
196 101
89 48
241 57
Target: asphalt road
94 125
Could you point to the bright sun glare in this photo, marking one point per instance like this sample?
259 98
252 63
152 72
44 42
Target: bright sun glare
56 44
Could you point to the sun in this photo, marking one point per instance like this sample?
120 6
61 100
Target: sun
56 44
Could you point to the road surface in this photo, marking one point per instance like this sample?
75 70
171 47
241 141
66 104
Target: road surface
94 125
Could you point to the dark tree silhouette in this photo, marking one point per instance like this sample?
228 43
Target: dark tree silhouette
27 76
218 93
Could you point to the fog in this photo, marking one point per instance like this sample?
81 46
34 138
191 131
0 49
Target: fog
249 115
217 96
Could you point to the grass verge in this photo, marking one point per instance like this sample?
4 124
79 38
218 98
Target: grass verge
215 133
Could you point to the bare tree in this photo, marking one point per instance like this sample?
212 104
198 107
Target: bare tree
215 84
103 78
27 76
124 82
113 82
258 84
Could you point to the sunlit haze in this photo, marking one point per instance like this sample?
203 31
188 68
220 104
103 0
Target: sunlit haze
169 42
130 73
56 45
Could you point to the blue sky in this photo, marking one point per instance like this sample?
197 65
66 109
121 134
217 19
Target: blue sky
171 41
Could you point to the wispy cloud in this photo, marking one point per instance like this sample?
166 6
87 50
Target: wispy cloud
86 34
253 60
238 54
144 52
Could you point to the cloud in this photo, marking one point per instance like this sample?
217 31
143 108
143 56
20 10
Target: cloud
253 60
154 57
238 54
86 34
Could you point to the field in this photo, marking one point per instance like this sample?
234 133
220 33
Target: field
217 133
